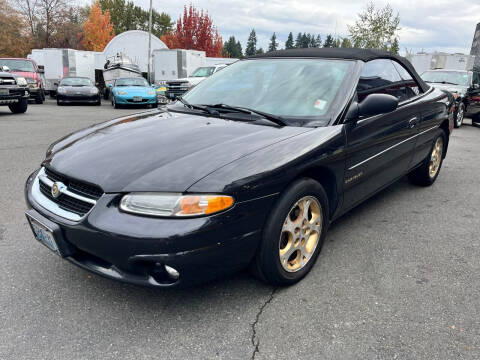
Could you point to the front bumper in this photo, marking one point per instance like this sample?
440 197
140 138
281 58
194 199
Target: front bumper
14 95
135 249
129 100
67 98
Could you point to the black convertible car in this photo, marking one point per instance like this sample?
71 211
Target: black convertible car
249 168
77 90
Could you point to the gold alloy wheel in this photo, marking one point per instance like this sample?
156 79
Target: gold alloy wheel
300 233
436 158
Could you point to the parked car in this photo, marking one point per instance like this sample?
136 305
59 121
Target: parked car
248 169
465 87
77 90
13 91
176 88
28 69
133 91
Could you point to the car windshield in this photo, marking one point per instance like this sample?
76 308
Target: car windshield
131 82
448 77
76 82
203 71
303 89
17 65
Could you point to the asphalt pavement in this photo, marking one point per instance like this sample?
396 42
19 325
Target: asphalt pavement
398 277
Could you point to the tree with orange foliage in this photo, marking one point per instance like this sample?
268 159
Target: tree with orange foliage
195 31
97 30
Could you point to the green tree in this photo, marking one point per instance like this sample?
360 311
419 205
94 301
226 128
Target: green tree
395 47
289 43
298 41
125 15
375 28
346 43
329 41
273 43
318 41
305 40
251 48
232 48
260 51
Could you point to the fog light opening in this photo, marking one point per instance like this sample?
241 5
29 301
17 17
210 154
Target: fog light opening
164 274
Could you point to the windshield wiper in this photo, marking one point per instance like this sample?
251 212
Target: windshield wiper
273 118
197 107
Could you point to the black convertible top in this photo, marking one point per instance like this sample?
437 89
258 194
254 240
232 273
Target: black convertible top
345 53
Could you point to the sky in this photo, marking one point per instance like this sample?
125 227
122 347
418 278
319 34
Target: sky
434 25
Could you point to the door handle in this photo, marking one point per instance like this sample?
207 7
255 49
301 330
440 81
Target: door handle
412 122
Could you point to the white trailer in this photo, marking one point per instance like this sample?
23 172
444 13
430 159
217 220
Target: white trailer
424 61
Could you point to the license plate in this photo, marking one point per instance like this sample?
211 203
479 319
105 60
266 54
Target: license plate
137 98
3 91
43 235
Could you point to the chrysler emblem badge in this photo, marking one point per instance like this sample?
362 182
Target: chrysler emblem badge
56 189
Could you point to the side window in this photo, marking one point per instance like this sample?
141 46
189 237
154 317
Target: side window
381 77
411 87
476 78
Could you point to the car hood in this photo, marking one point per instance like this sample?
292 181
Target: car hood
193 80
134 90
159 151
449 87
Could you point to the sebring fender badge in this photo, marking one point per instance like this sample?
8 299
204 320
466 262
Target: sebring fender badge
354 177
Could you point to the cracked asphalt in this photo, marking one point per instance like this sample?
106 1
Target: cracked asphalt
398 277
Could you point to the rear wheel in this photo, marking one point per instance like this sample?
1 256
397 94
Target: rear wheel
427 172
39 98
476 120
293 234
459 115
20 107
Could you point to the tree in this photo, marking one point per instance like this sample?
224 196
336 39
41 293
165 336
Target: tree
232 48
251 48
195 31
375 28
14 39
298 41
273 43
125 15
329 41
318 41
395 47
260 51
346 43
289 43
97 30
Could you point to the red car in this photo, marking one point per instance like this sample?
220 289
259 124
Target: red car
28 69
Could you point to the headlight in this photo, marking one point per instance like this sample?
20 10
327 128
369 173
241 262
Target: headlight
21 81
175 205
93 91
151 92
121 92
31 81
61 90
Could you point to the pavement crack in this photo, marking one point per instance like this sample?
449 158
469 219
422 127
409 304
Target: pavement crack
255 340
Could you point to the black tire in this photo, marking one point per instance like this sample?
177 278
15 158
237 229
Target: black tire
20 107
114 103
476 120
459 115
422 175
267 265
53 94
59 103
40 97
99 102
154 106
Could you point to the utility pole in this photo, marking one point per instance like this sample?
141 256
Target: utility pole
149 41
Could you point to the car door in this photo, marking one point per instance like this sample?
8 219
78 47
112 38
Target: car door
473 95
380 148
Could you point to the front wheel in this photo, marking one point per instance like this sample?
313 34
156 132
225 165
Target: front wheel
20 107
293 234
459 115
427 172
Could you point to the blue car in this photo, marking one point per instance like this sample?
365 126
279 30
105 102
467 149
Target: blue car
133 91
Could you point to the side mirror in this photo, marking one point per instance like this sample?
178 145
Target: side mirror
5 68
41 70
110 85
375 104
153 86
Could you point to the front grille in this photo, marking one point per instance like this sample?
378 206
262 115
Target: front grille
78 187
7 80
66 202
